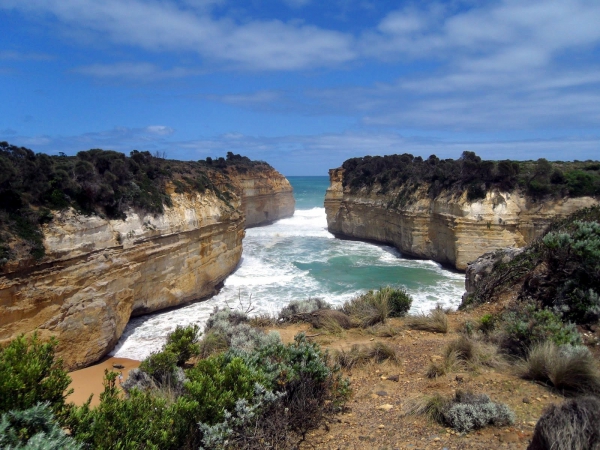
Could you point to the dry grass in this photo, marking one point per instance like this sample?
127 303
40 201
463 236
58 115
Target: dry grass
465 353
570 426
330 319
368 309
384 330
568 369
436 321
448 364
359 355
431 406
212 343
262 321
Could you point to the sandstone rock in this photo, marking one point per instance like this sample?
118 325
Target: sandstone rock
97 273
448 229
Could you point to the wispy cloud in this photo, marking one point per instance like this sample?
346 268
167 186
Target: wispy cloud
134 71
11 55
160 26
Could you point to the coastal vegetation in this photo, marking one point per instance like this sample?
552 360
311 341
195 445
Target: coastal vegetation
407 173
256 393
102 182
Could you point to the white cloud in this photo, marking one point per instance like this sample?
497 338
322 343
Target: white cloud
160 130
134 71
160 26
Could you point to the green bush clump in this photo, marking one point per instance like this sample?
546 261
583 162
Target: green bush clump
30 374
183 343
270 394
406 174
528 324
399 300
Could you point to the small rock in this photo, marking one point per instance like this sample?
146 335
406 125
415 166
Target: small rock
382 393
538 399
381 427
385 407
526 400
531 424
395 378
118 366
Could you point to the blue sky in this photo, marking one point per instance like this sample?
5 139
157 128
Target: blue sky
303 84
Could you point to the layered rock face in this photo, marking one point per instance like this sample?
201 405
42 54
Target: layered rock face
266 196
97 273
448 228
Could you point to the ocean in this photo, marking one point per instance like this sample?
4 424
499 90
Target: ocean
295 259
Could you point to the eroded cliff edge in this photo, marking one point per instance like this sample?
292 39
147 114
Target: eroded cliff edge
447 227
98 272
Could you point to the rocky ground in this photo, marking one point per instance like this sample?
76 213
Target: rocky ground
375 416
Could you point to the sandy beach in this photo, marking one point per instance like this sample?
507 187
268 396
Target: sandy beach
89 380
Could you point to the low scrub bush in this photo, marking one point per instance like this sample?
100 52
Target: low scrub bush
568 369
295 310
265 397
398 299
464 412
436 321
572 425
231 329
528 324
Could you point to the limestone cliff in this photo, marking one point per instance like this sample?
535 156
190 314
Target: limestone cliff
266 195
447 228
97 272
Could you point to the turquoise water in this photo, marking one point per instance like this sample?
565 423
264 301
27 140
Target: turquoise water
297 258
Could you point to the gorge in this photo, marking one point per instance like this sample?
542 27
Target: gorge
97 272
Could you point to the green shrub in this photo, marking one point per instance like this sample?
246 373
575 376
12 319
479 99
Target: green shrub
398 299
183 342
142 420
160 366
487 323
30 374
528 324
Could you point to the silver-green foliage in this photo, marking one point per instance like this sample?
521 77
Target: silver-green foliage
34 429
233 327
302 307
465 417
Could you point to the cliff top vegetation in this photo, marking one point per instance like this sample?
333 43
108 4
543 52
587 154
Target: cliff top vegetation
96 181
537 179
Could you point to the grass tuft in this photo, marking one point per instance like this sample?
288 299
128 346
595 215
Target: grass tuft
569 369
436 321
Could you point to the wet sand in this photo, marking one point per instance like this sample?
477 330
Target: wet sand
90 380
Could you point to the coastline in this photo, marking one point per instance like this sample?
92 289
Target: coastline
89 380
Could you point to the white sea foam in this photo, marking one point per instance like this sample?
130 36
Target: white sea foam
270 276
